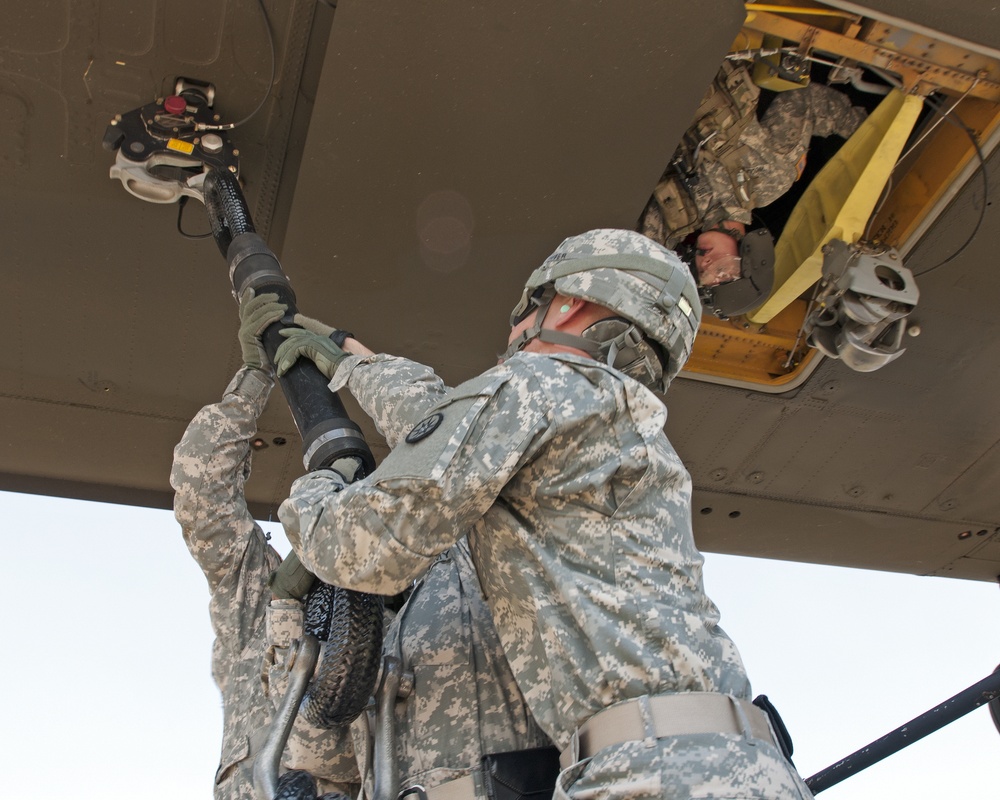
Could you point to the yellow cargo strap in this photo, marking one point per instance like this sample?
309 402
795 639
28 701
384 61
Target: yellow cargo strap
840 200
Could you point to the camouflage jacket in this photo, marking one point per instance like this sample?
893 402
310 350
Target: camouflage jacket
577 511
711 177
465 702
211 465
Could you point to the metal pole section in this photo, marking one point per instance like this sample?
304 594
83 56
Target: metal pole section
978 694
386 769
302 659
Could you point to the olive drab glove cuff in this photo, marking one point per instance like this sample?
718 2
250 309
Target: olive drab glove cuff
256 313
349 467
291 580
336 335
321 350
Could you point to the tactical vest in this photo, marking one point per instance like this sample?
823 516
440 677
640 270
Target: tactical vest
724 113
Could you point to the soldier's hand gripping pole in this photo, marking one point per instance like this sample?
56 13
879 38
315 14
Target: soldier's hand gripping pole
328 434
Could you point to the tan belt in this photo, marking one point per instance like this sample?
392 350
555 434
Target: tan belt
679 714
463 788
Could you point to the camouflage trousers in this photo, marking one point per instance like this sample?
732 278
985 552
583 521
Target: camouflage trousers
707 766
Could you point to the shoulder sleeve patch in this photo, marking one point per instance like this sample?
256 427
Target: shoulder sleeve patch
425 457
424 428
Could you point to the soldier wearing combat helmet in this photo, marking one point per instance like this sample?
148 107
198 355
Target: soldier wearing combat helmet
555 465
729 162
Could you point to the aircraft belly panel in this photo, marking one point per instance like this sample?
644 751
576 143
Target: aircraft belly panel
446 163
539 120
411 166
775 528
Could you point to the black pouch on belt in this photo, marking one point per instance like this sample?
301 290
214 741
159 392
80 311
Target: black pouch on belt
778 724
521 774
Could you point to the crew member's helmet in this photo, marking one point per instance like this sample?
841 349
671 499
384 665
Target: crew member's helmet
647 285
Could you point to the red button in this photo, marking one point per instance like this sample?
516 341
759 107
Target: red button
175 104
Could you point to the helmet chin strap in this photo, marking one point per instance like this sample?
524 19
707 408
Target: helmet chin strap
613 341
535 331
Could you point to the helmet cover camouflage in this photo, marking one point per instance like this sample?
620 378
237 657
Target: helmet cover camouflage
633 276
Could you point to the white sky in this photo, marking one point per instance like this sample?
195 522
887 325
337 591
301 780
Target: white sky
107 692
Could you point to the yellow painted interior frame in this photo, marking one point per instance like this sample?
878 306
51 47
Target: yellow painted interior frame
740 351
770 354
918 73
923 180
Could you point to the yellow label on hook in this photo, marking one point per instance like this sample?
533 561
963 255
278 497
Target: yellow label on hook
180 146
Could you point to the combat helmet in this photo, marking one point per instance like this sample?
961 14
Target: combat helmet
647 285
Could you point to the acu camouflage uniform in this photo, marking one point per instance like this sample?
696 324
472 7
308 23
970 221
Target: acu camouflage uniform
729 163
464 701
577 510
253 632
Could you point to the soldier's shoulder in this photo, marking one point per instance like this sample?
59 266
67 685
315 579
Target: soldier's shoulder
519 369
549 374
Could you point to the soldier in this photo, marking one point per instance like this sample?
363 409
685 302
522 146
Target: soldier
577 512
729 163
253 629
444 635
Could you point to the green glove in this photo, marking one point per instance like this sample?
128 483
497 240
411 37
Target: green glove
301 342
256 313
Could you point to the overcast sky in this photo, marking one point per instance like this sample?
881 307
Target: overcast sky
107 692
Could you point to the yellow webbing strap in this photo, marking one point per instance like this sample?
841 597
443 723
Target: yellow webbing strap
840 200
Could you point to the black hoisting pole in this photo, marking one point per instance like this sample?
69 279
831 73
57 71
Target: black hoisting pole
979 694
326 430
